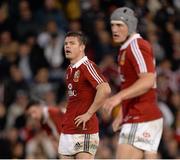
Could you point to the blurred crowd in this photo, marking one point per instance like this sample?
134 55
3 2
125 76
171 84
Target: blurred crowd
32 64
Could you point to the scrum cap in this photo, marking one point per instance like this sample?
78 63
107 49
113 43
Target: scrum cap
127 16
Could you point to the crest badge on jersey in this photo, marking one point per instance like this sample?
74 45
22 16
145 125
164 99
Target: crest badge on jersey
76 76
123 58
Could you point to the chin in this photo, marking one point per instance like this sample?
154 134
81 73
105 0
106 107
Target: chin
67 56
117 41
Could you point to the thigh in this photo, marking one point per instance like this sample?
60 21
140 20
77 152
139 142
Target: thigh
84 155
127 151
66 157
151 155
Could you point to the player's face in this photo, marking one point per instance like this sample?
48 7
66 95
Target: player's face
35 112
73 49
119 31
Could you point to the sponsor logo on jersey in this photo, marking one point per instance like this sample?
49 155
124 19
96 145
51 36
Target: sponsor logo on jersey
70 91
69 86
76 76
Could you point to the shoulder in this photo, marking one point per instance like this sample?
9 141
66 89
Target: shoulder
143 43
140 44
88 64
90 68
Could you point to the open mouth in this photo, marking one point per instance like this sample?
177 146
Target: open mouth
67 51
115 35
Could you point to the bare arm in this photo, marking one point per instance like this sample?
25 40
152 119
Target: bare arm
141 86
103 91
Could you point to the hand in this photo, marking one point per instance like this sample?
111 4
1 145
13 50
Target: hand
116 124
82 119
110 103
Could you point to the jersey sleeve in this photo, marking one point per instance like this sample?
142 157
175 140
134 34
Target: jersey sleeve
53 111
93 74
142 57
57 117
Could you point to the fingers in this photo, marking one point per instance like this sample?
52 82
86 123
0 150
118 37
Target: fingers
116 125
84 126
78 121
108 106
116 129
78 117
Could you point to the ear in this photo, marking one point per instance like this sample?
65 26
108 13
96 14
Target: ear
82 48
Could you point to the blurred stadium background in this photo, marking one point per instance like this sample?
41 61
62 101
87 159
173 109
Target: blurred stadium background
32 64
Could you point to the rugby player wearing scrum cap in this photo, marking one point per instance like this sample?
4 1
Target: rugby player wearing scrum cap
141 123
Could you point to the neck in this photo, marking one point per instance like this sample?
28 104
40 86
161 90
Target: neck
74 61
128 37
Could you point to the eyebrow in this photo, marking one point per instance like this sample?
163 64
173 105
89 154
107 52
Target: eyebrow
71 41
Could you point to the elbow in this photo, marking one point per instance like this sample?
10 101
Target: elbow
147 80
151 82
108 90
105 89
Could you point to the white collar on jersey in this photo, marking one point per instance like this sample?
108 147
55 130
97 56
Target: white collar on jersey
82 60
135 36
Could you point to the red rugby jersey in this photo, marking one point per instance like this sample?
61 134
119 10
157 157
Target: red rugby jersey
81 80
136 56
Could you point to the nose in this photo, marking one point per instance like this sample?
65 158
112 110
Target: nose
67 47
113 28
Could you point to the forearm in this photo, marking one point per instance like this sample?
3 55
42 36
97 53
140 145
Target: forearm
141 86
103 91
